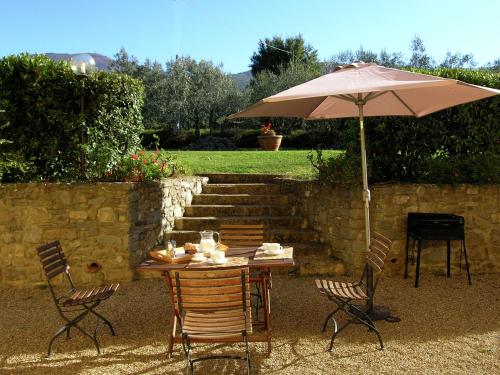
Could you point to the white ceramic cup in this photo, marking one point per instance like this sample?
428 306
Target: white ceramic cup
271 247
218 256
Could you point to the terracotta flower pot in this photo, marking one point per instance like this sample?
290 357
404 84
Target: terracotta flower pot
270 142
135 175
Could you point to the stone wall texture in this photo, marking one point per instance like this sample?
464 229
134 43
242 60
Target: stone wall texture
338 214
112 224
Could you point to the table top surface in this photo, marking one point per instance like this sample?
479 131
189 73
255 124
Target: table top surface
246 252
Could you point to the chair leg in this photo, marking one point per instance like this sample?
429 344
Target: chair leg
186 345
258 296
372 327
363 318
67 333
247 354
336 332
94 340
59 332
105 321
326 322
329 317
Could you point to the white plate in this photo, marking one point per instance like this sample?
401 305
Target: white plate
201 259
268 252
211 261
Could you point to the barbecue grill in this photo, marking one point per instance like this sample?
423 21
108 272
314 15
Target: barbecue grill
435 227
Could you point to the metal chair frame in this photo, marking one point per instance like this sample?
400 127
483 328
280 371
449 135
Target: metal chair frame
186 344
54 263
379 248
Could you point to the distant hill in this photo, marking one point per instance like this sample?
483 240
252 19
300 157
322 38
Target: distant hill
242 79
102 62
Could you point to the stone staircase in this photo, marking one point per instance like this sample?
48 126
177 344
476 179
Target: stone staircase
255 199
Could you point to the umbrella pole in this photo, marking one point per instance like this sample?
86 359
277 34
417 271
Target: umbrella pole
366 200
375 312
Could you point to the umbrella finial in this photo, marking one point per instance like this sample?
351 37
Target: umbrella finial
355 64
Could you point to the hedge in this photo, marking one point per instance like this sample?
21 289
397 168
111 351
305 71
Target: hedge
41 120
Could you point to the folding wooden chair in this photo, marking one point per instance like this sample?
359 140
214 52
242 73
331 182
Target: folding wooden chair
213 306
344 294
241 235
74 300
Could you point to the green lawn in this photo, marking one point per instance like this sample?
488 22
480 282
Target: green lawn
293 163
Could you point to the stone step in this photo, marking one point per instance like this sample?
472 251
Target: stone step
240 199
282 235
234 178
309 248
212 222
319 265
247 188
237 210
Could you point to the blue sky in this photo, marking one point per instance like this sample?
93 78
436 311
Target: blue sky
227 31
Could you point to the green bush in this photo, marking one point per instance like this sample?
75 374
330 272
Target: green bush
167 139
337 169
211 143
460 144
42 120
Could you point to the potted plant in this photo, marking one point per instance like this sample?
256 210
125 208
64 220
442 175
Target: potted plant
268 140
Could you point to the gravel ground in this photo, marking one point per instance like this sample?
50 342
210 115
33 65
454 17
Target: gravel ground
446 327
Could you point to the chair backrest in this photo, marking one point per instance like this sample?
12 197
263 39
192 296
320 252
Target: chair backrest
52 259
379 248
212 290
53 264
242 234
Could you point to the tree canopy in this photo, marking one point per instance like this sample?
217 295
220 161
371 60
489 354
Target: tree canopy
186 93
274 54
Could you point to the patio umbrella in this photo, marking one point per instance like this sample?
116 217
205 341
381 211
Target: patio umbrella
367 89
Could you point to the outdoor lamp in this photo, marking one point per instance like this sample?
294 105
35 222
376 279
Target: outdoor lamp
82 64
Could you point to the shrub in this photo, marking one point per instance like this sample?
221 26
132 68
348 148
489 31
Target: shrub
167 138
12 165
113 118
211 143
476 168
245 138
337 169
316 136
41 99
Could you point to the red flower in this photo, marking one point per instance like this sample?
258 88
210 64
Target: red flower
265 128
142 152
145 161
134 156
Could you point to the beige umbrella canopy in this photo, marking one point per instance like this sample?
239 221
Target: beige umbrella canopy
359 90
382 91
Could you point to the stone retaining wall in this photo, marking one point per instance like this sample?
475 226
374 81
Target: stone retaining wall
338 214
116 224
112 224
